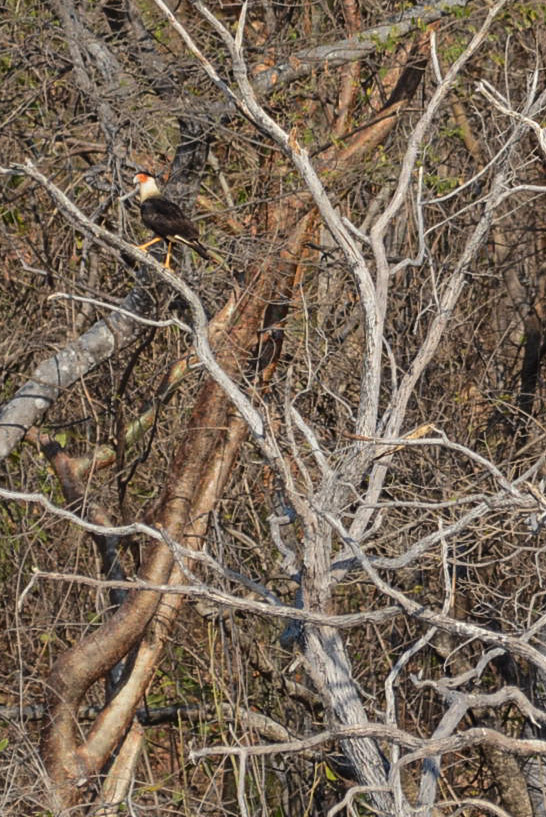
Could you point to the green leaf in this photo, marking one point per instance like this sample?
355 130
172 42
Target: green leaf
330 775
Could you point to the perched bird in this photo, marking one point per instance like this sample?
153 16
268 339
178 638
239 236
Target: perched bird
165 219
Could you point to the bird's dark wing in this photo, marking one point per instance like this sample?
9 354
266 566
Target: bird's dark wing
166 219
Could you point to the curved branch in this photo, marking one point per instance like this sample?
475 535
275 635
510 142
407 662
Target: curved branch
220 598
421 747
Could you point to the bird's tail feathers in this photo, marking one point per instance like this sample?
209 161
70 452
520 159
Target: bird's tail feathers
194 244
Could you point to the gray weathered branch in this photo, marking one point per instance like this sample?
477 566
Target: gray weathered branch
352 48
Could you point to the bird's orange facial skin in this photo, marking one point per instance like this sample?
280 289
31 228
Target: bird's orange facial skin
141 177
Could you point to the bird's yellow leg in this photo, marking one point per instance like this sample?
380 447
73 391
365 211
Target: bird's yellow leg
148 243
168 258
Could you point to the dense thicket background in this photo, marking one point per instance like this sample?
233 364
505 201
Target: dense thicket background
92 92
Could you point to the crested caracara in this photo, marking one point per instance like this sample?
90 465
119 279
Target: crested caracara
165 218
